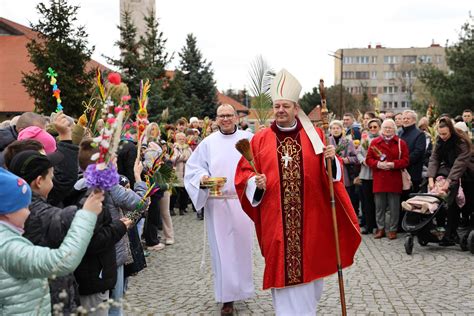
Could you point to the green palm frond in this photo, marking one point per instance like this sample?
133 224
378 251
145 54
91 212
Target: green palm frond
261 76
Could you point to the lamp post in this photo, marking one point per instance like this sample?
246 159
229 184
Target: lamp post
341 103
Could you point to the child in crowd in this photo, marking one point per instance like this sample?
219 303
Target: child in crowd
427 204
46 225
24 268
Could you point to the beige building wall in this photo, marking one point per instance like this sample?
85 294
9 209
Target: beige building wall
387 74
139 9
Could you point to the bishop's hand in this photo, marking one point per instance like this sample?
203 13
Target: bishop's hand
330 152
261 181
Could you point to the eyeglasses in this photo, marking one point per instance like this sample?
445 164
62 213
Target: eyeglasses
373 127
225 116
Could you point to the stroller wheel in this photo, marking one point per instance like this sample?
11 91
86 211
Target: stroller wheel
470 242
409 244
421 241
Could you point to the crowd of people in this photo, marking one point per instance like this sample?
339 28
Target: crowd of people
89 247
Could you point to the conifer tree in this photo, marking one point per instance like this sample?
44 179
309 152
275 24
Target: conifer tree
198 82
129 64
64 47
156 59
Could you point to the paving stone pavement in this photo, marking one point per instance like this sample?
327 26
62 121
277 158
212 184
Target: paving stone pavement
384 280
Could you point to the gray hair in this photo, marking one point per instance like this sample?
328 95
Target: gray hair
389 121
413 113
336 122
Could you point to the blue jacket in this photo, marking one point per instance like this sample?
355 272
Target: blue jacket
25 268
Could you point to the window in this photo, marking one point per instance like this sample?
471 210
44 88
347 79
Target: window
385 104
390 90
389 74
347 60
439 59
425 59
373 90
373 75
374 59
362 75
390 104
409 59
390 59
408 74
348 75
404 104
395 104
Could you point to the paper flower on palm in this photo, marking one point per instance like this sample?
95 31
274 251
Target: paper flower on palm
103 174
56 92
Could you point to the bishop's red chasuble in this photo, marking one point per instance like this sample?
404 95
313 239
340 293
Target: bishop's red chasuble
293 222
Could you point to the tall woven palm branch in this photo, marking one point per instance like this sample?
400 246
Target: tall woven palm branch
261 76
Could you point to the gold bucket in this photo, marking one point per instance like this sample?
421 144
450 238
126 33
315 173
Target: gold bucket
214 185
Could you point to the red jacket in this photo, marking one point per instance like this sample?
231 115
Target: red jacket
387 180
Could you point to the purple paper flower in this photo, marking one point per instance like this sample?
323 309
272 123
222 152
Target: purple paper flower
104 179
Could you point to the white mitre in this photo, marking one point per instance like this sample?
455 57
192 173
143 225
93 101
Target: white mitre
285 87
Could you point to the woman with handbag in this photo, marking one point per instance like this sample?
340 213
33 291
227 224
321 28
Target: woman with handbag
387 156
453 151
365 175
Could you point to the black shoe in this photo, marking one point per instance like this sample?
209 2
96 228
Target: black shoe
181 212
200 216
364 231
172 213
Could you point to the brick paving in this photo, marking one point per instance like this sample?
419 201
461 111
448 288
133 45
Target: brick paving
383 281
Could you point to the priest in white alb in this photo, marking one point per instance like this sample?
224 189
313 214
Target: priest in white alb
230 230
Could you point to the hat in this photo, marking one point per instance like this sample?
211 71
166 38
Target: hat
123 181
30 164
461 126
15 193
285 87
39 134
193 119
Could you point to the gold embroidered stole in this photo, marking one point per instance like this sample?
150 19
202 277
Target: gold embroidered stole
290 166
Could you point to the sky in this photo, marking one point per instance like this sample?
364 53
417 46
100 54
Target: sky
297 35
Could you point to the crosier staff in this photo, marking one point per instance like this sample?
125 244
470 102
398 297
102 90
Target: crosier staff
325 114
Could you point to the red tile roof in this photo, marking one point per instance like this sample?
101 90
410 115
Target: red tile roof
223 99
13 61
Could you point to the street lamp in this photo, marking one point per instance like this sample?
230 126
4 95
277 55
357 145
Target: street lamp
341 58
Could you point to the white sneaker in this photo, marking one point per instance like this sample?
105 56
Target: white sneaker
158 247
169 241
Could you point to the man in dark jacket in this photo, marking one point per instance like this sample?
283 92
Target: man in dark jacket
416 141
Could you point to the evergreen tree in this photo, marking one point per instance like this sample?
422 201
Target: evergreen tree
310 100
156 59
198 82
63 47
129 63
454 91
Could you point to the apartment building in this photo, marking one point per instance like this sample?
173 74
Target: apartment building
387 75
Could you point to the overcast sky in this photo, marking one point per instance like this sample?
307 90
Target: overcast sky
297 35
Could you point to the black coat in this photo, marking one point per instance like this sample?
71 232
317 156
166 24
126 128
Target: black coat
97 271
47 226
416 141
126 157
7 136
65 173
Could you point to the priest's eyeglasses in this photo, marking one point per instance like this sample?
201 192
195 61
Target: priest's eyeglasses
225 116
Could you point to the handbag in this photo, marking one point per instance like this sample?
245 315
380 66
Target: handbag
406 178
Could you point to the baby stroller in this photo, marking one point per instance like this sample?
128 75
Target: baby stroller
422 225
